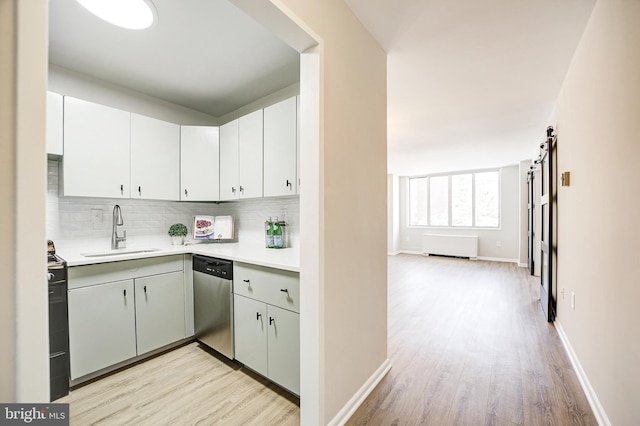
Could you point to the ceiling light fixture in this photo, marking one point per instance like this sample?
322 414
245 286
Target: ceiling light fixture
129 14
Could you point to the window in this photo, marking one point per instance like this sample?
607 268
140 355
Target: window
456 200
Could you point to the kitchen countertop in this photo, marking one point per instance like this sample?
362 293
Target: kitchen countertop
249 252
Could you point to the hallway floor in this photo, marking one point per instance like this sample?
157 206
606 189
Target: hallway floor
469 345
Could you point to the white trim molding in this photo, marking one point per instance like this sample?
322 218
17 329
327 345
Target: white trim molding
594 402
358 398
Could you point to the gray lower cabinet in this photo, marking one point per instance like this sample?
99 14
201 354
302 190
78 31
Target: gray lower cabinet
267 337
102 326
121 310
159 311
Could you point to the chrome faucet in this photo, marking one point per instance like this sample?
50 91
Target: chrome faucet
117 221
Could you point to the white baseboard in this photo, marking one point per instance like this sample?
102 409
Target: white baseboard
394 253
352 405
523 265
410 252
497 259
594 402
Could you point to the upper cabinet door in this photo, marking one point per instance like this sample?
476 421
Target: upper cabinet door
54 123
280 156
229 171
250 144
96 154
199 163
155 159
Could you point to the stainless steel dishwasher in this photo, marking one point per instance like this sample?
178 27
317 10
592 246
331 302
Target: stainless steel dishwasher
213 303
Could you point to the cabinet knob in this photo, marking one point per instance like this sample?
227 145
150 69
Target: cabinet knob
186 193
233 189
258 316
271 320
289 184
241 188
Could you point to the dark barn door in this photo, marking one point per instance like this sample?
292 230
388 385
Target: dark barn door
547 291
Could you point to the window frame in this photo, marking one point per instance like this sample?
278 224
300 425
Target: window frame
450 209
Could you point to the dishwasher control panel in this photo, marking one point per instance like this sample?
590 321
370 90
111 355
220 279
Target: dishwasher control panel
212 266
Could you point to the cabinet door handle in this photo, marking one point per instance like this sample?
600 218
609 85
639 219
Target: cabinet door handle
246 281
125 292
233 189
241 188
140 190
271 320
284 290
145 288
121 189
258 316
289 184
186 193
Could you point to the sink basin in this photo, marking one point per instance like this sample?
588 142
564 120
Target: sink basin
119 252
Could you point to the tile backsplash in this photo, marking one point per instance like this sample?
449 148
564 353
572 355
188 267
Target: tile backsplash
72 218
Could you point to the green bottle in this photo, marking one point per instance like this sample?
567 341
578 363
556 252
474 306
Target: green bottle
277 234
269 233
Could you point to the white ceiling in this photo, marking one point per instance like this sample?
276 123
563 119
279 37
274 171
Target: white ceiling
203 54
471 84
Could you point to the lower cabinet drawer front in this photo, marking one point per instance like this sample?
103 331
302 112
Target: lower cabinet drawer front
273 286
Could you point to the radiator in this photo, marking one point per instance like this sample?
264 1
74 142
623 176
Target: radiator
450 245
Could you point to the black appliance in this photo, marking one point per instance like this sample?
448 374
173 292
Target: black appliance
58 324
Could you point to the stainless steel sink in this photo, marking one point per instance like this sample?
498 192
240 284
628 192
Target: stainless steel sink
119 252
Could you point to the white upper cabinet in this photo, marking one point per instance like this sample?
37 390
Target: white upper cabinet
280 146
229 165
241 157
155 159
96 150
199 163
54 123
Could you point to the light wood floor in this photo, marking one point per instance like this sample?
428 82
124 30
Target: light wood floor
467 340
187 386
469 345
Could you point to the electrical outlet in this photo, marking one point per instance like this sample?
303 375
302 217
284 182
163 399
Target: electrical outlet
96 216
573 300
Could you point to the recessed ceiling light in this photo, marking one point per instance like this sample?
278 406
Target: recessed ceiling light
129 14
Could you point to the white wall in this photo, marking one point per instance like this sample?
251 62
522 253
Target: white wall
598 125
349 166
393 214
508 235
24 340
81 86
524 213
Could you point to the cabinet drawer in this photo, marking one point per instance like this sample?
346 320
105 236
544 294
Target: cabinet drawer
87 275
273 286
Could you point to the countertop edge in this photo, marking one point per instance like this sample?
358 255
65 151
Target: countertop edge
283 259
